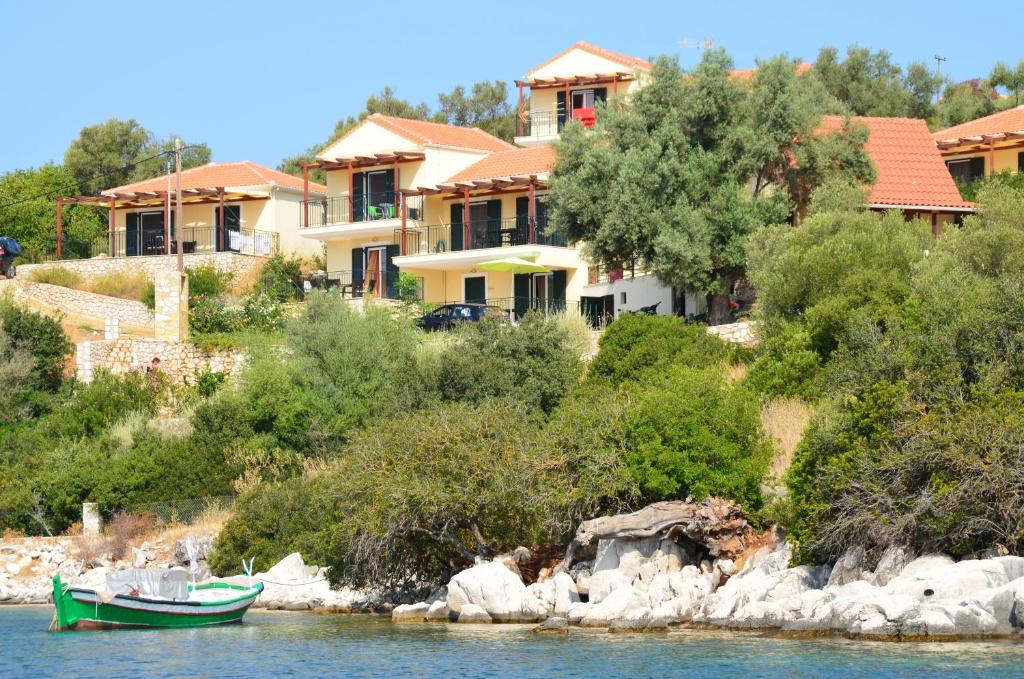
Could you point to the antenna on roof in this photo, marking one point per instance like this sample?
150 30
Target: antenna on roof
706 43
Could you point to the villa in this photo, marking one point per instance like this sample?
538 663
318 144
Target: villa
239 207
985 146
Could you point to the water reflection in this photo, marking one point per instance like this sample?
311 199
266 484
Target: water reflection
303 644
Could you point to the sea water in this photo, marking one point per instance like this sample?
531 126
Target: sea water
278 644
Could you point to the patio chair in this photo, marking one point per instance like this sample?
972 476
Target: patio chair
373 212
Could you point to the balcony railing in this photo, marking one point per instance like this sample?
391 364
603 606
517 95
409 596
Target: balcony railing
360 284
340 210
546 123
481 234
194 239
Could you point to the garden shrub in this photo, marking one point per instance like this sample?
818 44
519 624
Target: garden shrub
787 364
41 337
122 284
148 295
280 278
206 280
56 275
635 344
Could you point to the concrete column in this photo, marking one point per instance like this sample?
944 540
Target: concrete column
171 306
83 361
91 521
111 328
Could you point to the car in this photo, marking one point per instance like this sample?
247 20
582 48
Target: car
447 316
9 249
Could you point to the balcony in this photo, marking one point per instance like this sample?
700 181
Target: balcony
544 126
194 239
481 235
363 284
339 217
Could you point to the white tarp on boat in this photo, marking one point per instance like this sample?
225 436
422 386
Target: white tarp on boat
157 583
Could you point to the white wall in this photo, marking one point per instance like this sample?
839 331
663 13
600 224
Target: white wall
641 291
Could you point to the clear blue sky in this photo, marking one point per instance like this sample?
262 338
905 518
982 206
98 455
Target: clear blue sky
263 80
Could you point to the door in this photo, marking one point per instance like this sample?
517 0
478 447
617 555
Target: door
541 291
474 289
380 194
152 233
376 269
232 239
132 241
582 99
479 226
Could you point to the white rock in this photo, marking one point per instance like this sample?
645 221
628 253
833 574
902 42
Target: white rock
437 612
471 613
613 607
566 594
492 587
410 612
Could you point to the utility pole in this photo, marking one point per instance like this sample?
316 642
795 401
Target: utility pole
178 221
938 65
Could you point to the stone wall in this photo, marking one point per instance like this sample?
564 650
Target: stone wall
743 333
151 265
79 305
179 361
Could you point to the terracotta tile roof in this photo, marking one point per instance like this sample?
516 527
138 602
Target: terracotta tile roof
617 57
516 162
910 170
424 132
1010 120
748 73
213 175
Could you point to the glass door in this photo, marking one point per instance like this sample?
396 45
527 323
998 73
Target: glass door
380 195
541 292
376 263
582 99
152 233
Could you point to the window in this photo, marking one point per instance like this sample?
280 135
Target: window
622 298
967 170
1020 162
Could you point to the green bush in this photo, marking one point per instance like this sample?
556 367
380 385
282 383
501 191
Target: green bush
532 363
690 434
636 344
206 280
212 314
41 337
262 311
148 295
122 284
279 278
787 364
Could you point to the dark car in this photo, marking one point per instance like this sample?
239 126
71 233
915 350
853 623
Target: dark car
9 249
447 316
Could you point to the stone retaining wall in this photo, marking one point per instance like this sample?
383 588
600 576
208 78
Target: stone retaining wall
743 333
151 265
80 304
179 361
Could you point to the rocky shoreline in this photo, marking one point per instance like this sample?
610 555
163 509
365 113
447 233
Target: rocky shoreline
672 564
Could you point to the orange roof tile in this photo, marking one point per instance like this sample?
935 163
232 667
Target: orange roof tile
213 175
911 172
617 57
1010 120
747 73
515 162
424 132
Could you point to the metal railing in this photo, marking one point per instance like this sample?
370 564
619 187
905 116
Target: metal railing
480 234
194 239
340 210
542 123
517 307
360 284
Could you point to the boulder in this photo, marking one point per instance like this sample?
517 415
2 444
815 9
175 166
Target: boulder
553 625
410 612
471 613
492 587
849 567
565 593
438 612
616 605
892 562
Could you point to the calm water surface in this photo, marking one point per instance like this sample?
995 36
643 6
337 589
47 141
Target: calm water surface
272 644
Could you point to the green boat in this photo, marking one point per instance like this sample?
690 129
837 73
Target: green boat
150 598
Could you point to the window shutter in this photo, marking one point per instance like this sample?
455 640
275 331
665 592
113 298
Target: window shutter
131 234
389 187
521 290
977 168
558 283
358 197
562 110
1020 162
455 239
357 266
392 269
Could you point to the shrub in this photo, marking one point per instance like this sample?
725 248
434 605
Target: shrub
280 278
211 314
206 280
148 295
56 275
41 337
690 434
407 287
787 364
208 382
533 363
637 344
262 311
121 284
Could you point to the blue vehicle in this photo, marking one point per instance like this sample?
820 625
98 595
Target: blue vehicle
447 316
9 249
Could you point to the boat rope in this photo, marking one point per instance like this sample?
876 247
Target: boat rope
292 584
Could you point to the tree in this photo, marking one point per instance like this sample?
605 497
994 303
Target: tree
487 108
867 83
965 101
28 212
119 152
924 87
677 180
1010 78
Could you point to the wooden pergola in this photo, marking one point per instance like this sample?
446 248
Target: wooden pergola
566 84
394 159
983 143
479 187
126 200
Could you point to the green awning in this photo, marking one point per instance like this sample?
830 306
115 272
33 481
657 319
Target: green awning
513 265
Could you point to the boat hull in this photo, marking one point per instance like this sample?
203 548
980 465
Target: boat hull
84 609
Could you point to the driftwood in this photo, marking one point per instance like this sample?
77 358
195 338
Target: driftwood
715 523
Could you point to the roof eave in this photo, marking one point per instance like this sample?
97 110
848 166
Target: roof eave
921 208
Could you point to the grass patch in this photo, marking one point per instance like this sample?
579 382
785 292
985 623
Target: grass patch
56 275
120 284
784 420
231 341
